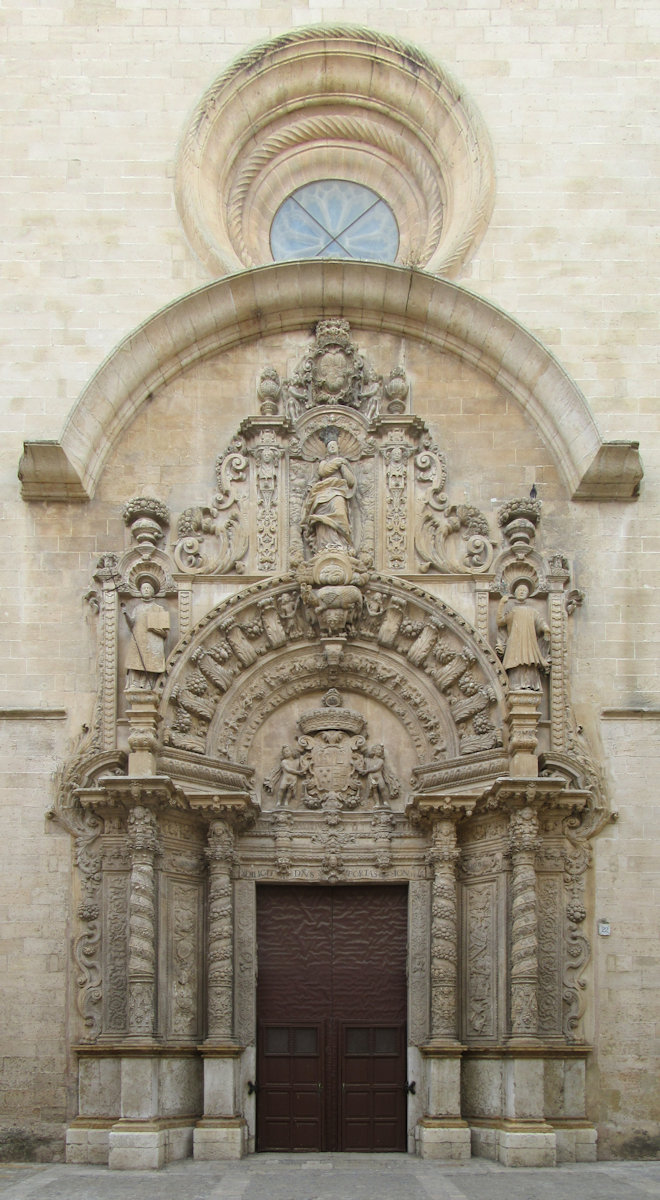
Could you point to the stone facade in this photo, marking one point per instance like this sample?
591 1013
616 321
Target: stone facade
327 633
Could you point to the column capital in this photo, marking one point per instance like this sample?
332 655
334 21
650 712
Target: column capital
220 843
524 830
427 808
142 828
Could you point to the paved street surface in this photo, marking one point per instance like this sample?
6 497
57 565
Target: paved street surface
332 1177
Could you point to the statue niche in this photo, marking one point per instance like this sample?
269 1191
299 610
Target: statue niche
149 625
520 630
325 517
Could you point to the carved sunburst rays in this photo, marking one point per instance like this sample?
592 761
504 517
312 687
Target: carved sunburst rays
314 428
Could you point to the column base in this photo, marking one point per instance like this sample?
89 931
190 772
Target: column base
516 1143
220 1137
443 1140
149 1145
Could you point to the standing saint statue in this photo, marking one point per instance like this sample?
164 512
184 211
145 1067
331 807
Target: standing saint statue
325 514
520 628
149 626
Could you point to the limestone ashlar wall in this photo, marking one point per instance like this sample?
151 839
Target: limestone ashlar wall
95 96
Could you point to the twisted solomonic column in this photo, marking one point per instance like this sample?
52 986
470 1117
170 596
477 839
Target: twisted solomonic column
524 842
220 952
145 846
443 855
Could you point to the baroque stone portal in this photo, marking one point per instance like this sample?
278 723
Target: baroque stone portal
300 709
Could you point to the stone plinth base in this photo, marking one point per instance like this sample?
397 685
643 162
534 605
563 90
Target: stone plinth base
220 1137
516 1144
444 1141
88 1141
148 1145
576 1142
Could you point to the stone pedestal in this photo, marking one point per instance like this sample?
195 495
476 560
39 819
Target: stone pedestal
444 1135
523 721
523 1088
143 719
159 1102
220 1137
521 1137
221 1133
444 1140
527 1144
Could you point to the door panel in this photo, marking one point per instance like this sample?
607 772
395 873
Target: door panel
331 1008
290 1109
373 1076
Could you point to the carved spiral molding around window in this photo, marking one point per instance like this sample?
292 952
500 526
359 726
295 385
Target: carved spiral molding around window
342 103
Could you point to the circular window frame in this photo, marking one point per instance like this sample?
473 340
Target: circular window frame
341 103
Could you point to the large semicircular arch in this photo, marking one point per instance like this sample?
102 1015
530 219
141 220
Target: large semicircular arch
289 296
239 696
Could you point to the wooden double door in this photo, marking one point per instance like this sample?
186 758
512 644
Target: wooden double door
331 1018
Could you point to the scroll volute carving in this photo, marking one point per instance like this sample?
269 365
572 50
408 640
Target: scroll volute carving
211 539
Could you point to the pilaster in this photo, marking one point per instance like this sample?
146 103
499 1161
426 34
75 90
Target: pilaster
442 1134
222 1133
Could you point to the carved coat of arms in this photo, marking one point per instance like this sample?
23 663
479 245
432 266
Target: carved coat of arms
332 765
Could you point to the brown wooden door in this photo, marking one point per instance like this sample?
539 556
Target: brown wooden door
291 1086
373 1098
331 1013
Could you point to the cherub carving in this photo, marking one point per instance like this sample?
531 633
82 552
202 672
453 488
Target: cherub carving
283 780
381 784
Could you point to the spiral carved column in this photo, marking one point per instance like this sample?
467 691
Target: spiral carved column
444 854
524 842
220 972
144 842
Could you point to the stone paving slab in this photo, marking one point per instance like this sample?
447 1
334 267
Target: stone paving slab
332 1177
